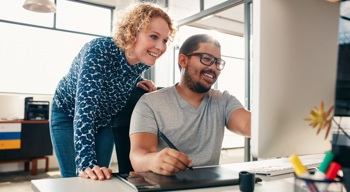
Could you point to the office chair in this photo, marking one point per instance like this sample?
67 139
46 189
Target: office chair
121 127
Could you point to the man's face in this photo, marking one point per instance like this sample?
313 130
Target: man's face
199 77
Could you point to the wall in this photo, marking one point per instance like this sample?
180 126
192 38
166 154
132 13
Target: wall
12 104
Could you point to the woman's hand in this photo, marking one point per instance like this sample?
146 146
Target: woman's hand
147 85
96 173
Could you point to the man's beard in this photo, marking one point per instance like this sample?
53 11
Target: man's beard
195 86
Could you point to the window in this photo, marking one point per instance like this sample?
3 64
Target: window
83 18
34 53
13 11
212 3
33 60
181 9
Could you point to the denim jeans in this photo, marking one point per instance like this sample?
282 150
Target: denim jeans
62 136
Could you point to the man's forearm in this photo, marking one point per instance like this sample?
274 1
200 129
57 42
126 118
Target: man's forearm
141 161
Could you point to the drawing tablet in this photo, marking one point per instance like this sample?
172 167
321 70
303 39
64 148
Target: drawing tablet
190 179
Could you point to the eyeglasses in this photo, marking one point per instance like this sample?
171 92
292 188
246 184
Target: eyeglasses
208 59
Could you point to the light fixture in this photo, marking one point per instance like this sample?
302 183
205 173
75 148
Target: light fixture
42 6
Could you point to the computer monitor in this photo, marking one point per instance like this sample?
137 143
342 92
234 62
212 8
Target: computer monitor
342 100
294 67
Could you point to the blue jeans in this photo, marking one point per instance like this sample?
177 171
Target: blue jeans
62 136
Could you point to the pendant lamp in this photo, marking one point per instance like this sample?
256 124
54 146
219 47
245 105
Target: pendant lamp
41 6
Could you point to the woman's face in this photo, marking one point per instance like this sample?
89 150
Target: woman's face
150 44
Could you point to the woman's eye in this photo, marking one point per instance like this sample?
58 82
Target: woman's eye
154 37
165 41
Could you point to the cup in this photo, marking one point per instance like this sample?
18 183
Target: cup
246 181
310 185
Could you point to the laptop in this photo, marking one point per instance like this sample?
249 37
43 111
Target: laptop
201 177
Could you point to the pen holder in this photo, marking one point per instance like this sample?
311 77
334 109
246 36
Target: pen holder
310 185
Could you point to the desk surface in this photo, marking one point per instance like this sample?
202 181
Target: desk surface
284 182
81 184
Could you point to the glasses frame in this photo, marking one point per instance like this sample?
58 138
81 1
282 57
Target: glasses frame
220 63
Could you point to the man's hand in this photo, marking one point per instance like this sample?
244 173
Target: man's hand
147 85
169 161
96 173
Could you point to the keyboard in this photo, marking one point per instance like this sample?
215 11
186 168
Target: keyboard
284 168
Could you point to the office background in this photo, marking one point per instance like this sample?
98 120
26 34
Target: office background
36 49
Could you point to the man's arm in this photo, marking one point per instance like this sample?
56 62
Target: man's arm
239 122
144 156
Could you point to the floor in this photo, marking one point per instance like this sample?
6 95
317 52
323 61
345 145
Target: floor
20 181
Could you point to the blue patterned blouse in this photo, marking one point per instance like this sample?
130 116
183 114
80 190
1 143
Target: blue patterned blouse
96 87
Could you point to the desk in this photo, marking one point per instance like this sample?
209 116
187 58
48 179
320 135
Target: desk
283 182
81 184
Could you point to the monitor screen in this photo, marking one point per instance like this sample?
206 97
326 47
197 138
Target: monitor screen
342 102
294 66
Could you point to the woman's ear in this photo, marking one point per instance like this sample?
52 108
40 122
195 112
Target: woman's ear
183 60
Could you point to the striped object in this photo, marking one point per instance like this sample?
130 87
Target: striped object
10 136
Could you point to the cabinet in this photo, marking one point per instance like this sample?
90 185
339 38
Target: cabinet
35 143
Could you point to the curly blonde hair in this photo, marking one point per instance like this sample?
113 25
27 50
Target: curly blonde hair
136 18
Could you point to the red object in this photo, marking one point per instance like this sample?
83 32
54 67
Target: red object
332 171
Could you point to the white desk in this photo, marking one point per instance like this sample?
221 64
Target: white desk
284 183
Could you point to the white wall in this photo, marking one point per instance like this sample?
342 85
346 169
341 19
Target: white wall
12 104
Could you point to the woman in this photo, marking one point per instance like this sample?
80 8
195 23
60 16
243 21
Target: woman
98 86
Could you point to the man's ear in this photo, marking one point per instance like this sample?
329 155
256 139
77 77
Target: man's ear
183 60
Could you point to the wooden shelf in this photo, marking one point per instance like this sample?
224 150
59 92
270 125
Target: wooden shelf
24 121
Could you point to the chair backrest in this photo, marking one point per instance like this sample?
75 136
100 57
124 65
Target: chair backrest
121 127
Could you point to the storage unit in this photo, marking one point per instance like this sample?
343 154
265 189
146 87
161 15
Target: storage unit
35 142
10 136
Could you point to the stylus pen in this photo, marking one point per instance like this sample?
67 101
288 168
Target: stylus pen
169 143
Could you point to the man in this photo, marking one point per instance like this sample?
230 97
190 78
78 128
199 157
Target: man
190 114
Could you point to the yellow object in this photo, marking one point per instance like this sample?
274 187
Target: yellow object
299 168
10 144
321 118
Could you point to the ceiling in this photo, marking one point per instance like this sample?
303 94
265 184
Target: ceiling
230 21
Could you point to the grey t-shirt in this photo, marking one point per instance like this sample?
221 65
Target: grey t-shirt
198 132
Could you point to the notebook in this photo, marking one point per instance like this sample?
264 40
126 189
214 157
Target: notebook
197 178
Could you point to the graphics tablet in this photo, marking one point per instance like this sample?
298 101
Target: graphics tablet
190 179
